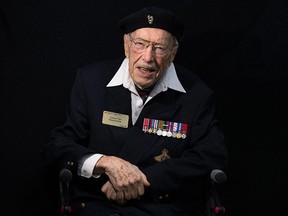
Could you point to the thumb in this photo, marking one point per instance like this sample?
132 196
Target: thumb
145 181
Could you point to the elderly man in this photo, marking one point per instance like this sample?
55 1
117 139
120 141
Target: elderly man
140 135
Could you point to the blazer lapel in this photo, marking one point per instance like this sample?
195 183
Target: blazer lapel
118 99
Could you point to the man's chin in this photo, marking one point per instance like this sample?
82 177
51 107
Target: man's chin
143 85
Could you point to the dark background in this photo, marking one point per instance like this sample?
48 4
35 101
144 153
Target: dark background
239 48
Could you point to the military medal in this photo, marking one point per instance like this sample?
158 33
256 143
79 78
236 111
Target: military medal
155 126
174 131
165 128
169 133
150 126
145 124
179 130
164 133
184 130
160 125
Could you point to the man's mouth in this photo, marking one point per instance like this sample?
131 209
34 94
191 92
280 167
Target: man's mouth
146 69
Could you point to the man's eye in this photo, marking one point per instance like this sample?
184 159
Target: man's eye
139 43
160 48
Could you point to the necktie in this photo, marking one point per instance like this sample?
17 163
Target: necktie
143 93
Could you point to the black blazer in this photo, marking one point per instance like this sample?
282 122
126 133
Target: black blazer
176 181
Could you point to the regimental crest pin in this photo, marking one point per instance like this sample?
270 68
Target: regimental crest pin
163 156
150 19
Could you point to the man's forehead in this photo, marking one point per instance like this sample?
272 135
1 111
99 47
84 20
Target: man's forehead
152 32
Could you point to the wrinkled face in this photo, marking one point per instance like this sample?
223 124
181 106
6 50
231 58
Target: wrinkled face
150 52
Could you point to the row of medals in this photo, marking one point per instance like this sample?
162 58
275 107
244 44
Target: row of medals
160 132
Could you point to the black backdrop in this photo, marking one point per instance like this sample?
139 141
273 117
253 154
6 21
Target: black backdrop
238 47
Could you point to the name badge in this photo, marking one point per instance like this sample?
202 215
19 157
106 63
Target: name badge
115 119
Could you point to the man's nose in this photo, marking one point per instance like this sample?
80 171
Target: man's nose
148 54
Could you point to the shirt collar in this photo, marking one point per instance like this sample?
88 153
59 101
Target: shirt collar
168 80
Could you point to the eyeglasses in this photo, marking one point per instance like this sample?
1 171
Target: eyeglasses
139 45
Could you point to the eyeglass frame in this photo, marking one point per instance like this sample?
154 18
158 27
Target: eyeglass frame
147 43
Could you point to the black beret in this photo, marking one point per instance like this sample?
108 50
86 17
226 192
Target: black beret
153 17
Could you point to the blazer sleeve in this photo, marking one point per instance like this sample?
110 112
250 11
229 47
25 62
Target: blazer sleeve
68 142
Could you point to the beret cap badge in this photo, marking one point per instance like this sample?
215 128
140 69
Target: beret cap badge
150 19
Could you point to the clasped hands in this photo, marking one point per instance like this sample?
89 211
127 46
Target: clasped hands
126 181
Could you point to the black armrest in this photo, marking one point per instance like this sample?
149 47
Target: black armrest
213 205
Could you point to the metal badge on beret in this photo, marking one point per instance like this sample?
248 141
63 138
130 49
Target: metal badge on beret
150 19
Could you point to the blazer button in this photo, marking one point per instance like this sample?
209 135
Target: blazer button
82 205
160 197
166 196
70 163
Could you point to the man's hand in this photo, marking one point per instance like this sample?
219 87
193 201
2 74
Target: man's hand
126 181
112 194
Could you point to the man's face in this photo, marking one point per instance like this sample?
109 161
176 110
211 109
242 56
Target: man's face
150 52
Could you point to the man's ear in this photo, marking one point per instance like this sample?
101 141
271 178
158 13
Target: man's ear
173 54
126 45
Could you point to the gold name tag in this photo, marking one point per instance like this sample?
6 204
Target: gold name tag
115 119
